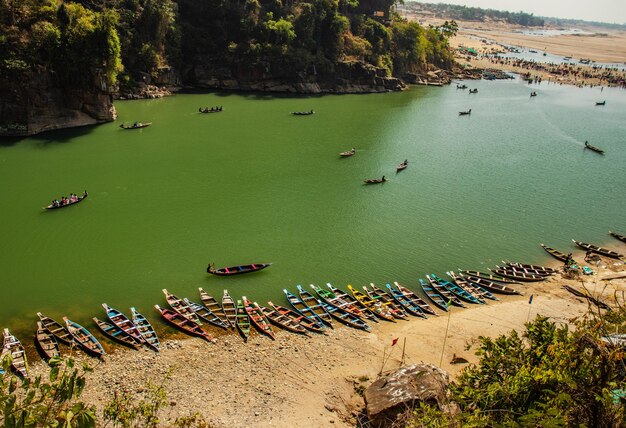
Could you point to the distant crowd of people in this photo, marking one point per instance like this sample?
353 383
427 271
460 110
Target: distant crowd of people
66 201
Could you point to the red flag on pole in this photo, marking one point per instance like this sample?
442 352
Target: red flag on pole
394 341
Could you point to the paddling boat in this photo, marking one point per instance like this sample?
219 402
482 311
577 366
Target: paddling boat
492 286
410 305
348 153
375 180
593 148
212 305
282 320
229 308
80 199
237 270
303 113
599 250
114 332
464 113
183 323
315 305
84 338
205 314
145 328
402 166
618 236
600 103
257 318
296 317
46 342
181 307
123 323
436 298
243 321
13 347
377 294
59 332
137 125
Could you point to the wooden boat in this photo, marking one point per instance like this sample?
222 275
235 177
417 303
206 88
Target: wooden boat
346 317
136 125
452 288
243 321
309 324
411 305
181 307
492 286
475 289
555 253
517 275
302 113
283 320
13 347
618 236
375 180
445 293
599 250
533 267
257 318
210 110
301 308
377 294
600 103
379 309
114 332
84 338
205 314
417 300
145 328
473 91
350 152
315 305
463 113
80 199
59 332
183 323
463 86
367 313
123 323
593 148
211 304
439 301
347 305
46 342
527 271
533 94
229 308
584 295
402 166
488 276
237 270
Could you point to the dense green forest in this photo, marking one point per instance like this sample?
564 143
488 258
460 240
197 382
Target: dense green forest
453 11
123 41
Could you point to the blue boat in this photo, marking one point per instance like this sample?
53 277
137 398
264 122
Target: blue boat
440 296
84 338
123 323
410 306
453 288
316 306
206 314
465 283
303 309
345 317
146 330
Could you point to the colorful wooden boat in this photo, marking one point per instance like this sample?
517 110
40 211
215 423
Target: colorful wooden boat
453 288
599 250
316 306
527 271
555 253
243 321
212 304
14 348
517 275
136 125
59 332
367 313
283 320
114 332
347 305
123 323
375 180
445 293
345 317
230 308
439 301
415 299
181 307
183 323
488 276
309 324
46 342
378 308
301 308
205 314
408 305
84 338
492 286
350 152
237 270
618 236
257 318
547 270
475 289
402 166
377 294
80 199
145 328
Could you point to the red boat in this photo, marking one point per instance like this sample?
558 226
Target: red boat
236 270
183 323
257 318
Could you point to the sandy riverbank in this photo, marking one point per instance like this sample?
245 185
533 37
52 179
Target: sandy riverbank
298 381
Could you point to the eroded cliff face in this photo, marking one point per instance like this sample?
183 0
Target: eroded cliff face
37 104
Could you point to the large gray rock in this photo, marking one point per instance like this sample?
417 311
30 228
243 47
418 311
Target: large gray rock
393 395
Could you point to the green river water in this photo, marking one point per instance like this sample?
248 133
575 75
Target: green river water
256 184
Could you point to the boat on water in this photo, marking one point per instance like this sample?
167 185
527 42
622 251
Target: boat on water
436 298
242 321
237 270
114 332
180 306
136 125
210 110
375 180
54 206
212 304
84 338
492 286
377 294
145 328
598 250
402 165
445 293
411 301
350 152
205 314
464 113
555 253
283 320
471 287
538 268
123 323
455 289
12 346
183 323
315 305
46 342
230 308
533 94
381 310
488 276
517 275
463 86
618 236
257 318
593 148
349 306
340 294
301 308
302 113
296 317
600 103
55 328
473 91
345 317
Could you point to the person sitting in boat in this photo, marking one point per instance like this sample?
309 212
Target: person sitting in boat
383 179
406 161
55 203
72 198
136 124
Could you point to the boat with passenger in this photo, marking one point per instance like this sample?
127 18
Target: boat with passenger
66 202
136 125
236 270
593 148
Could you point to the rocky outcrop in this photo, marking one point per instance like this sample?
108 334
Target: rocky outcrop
392 397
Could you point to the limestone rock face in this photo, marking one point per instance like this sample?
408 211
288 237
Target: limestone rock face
389 397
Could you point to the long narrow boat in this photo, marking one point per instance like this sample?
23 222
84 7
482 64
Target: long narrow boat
56 329
618 236
415 299
282 320
237 270
476 289
377 294
257 318
114 332
488 276
555 253
13 347
453 288
46 342
409 306
351 302
379 309
330 298
348 153
346 317
375 180
445 293
243 321
79 199
594 148
309 324
230 308
518 276
599 250
518 270
212 304
402 166
136 125
145 328
183 323
587 296
181 307
439 301
123 323
533 267
205 314
84 338
494 287
316 306
301 308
